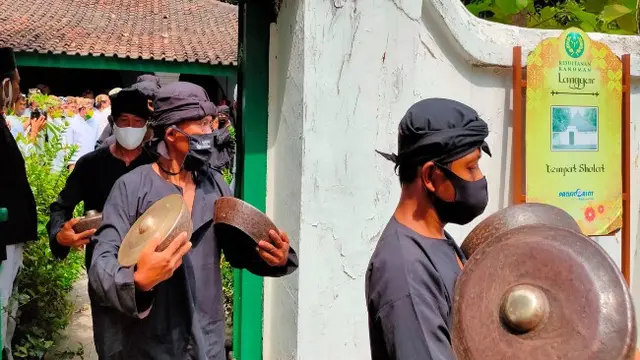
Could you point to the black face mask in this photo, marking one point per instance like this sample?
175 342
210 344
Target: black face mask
470 201
200 151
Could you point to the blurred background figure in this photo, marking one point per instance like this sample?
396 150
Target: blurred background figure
101 113
88 94
79 133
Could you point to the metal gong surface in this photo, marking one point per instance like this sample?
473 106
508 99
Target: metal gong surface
541 292
91 220
166 218
239 221
512 217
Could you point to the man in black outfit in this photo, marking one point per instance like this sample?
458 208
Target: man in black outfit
96 172
411 277
15 196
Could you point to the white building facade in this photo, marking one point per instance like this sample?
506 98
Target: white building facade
342 74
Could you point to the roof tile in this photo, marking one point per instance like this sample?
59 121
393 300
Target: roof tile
203 31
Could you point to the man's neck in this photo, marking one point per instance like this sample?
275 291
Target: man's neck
418 215
167 167
124 154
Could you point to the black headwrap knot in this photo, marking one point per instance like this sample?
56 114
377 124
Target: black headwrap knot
439 130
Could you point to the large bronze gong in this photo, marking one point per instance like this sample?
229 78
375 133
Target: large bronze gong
166 219
540 292
512 217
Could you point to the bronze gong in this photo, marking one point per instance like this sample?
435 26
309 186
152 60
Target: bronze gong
512 217
541 292
237 220
166 218
90 220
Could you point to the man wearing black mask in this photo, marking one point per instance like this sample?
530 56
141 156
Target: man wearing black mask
412 272
224 144
160 308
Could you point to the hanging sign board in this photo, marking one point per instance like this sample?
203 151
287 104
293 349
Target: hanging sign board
573 130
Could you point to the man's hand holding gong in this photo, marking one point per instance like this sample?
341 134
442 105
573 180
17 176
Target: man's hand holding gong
276 252
69 238
155 267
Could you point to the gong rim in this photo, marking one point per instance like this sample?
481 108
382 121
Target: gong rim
512 217
235 219
590 315
163 218
91 220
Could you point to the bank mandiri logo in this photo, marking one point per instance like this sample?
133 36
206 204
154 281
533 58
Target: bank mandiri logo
579 194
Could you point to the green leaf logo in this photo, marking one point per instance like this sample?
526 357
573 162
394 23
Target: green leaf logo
574 45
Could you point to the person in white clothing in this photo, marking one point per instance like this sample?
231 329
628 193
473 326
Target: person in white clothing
79 133
101 113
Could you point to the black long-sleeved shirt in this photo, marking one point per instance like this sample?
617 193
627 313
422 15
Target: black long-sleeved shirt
182 317
15 194
90 181
410 285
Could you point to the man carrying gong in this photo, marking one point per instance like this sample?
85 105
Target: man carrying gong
169 306
411 276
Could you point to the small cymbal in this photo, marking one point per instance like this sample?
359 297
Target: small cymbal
166 218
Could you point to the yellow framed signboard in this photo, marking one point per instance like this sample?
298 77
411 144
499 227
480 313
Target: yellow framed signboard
573 130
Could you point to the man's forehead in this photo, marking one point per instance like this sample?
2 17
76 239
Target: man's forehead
125 115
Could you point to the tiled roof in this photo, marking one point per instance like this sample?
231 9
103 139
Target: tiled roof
204 31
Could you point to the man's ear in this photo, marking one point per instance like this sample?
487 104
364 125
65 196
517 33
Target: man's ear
426 175
170 134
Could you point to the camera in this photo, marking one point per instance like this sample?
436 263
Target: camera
35 114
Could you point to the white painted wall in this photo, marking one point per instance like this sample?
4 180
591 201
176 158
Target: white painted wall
343 73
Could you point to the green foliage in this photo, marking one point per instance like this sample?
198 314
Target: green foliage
227 275
591 115
232 132
561 117
607 16
44 283
44 102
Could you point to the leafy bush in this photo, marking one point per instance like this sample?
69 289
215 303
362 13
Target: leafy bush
607 16
44 283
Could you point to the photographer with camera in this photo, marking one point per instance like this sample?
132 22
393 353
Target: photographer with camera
37 122
224 144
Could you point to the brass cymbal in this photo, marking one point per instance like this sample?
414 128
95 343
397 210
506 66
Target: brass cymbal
166 218
539 292
512 217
